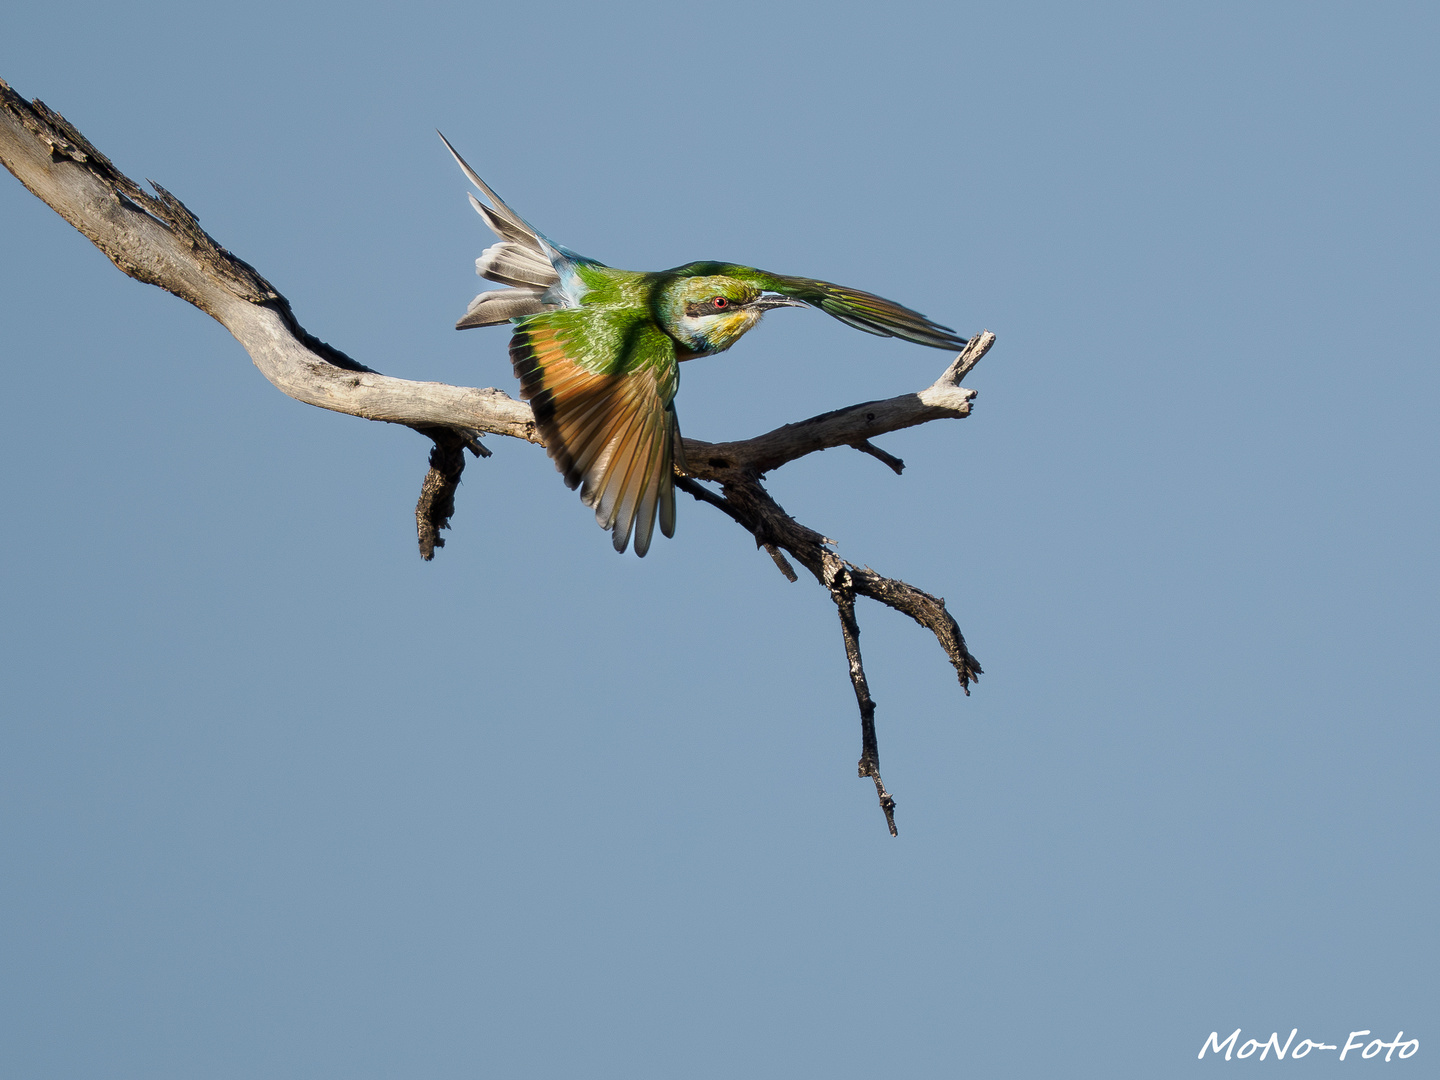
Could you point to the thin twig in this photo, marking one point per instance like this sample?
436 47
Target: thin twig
844 597
865 446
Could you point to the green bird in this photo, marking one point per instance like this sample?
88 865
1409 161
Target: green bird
598 350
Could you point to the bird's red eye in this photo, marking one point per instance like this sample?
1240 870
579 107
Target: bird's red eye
719 303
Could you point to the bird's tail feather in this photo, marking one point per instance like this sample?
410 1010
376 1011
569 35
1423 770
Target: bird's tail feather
502 305
510 263
509 221
521 259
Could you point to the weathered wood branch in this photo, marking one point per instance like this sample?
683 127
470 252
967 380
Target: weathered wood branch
844 596
437 491
944 399
154 238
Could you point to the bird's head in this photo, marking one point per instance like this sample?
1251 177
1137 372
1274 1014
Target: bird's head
709 314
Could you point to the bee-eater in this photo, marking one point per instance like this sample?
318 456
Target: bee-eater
598 351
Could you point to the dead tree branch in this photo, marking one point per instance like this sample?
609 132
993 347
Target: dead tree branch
154 238
844 597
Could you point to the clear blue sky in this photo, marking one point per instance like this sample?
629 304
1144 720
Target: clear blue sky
278 799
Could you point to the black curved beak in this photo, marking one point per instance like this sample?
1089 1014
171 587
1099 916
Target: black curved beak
765 303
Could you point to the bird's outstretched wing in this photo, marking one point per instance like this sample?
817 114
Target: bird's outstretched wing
602 382
862 310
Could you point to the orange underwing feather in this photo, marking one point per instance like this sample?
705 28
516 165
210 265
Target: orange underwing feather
601 389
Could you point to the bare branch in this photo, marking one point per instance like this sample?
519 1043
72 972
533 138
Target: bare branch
869 746
944 399
749 504
156 239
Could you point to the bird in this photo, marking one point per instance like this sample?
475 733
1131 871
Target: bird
598 350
